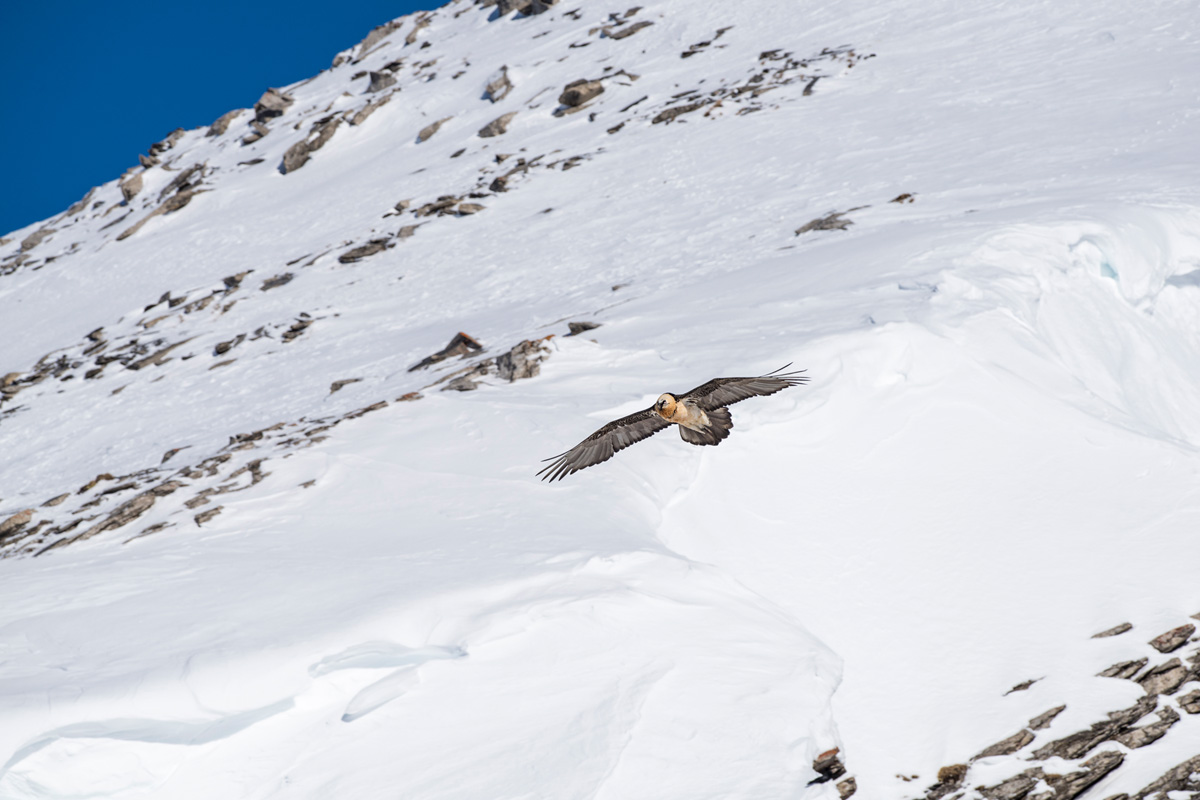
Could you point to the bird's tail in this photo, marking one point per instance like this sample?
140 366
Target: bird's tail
720 421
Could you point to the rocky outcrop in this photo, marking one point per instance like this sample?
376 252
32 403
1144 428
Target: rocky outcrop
363 251
1113 631
130 186
298 154
429 130
576 93
523 361
10 527
460 345
1165 678
272 104
360 116
497 126
223 122
380 81
1173 639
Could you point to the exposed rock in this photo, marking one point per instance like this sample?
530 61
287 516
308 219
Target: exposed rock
1114 631
259 131
669 115
1015 787
908 197
298 327
421 23
222 124
278 280
460 345
366 410
1183 778
497 126
407 231
577 328
626 30
156 358
1190 702
272 104
499 86
1172 639
1123 669
846 788
829 222
500 184
1020 687
1078 744
131 186
122 515
147 161
381 81
13 524
467 382
523 361
297 155
466 209
828 766
1140 737
442 204
578 92
337 385
540 6
1165 678
78 205
408 397
370 108
87 487
362 251
54 501
205 516
37 237
506 7
1043 720
377 35
1006 746
430 129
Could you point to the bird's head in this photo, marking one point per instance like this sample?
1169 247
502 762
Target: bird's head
665 406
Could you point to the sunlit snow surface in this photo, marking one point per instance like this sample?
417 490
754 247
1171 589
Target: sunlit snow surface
996 457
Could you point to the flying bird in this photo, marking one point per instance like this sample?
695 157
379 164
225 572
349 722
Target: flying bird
702 415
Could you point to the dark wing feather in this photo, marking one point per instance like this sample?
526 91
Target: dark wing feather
601 445
727 391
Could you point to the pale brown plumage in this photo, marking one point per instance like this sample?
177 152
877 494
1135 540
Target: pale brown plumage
701 414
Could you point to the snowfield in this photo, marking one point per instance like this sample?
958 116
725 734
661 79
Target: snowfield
997 457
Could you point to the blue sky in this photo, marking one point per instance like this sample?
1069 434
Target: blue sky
86 86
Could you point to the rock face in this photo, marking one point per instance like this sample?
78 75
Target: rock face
523 361
298 154
222 124
381 81
429 130
272 104
1172 639
131 186
576 93
460 345
497 126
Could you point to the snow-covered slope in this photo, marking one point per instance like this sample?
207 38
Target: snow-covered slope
248 552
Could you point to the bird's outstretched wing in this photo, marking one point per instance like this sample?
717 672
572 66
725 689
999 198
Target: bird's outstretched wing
600 446
725 391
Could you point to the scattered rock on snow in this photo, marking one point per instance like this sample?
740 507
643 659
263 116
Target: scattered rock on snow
380 81
830 222
1006 746
523 361
337 385
1165 678
430 129
497 126
1123 669
1172 639
363 251
577 328
222 124
576 93
460 345
626 31
1116 630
